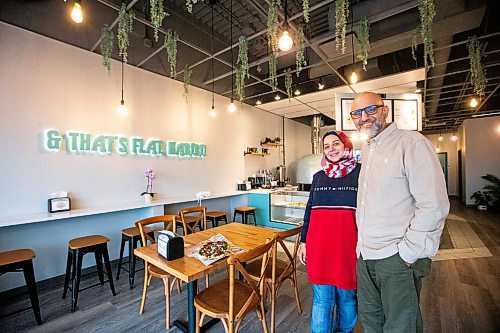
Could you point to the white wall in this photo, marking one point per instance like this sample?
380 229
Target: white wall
47 84
450 147
482 153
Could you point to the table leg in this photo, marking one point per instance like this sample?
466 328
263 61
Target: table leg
190 326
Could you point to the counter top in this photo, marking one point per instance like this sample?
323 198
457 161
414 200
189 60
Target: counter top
39 217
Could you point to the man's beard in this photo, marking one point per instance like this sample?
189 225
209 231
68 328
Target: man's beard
374 130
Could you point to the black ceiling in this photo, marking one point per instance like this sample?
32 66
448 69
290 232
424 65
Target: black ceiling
447 88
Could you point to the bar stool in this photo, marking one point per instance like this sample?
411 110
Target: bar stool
78 247
245 211
132 236
215 217
22 259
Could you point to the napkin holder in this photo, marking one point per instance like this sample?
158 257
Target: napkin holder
170 246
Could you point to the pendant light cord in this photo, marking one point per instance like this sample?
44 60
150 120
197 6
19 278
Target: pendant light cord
122 78
212 48
232 66
352 34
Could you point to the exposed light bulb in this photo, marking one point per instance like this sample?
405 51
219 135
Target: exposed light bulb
453 137
231 107
285 42
440 138
354 77
297 92
277 97
212 112
437 149
76 13
321 85
122 109
258 102
473 102
418 91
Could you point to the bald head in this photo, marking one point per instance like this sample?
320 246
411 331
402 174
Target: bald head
371 124
366 98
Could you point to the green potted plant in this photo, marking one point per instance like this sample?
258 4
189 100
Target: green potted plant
481 199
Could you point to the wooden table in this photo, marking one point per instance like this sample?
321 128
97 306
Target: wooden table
189 269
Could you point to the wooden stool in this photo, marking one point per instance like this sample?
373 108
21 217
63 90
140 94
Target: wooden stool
78 247
215 217
16 260
132 236
245 211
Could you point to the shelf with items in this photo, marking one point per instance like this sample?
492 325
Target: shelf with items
255 154
276 142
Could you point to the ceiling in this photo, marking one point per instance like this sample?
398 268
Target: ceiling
446 89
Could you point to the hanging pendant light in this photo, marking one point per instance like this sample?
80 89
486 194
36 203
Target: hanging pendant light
232 107
285 42
213 113
473 102
454 137
76 12
122 109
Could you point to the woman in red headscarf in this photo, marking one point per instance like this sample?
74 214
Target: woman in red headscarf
329 236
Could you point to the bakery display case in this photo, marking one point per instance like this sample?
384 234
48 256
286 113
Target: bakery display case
288 207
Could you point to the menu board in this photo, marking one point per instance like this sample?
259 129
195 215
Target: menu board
406 114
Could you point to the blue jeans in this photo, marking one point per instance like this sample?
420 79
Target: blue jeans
325 299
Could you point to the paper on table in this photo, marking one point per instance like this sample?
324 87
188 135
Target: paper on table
233 249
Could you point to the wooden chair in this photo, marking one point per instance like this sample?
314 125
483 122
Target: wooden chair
193 217
231 299
283 270
150 270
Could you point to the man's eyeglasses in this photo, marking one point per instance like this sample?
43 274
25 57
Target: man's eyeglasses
369 110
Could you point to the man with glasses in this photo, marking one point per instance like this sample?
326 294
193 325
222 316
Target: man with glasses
402 205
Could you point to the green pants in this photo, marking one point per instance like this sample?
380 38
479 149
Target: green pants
389 294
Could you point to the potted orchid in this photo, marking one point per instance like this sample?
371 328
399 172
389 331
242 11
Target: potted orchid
149 194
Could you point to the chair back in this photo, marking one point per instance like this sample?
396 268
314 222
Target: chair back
168 224
193 217
236 262
292 257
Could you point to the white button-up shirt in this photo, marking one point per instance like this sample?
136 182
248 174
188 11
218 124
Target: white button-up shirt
402 200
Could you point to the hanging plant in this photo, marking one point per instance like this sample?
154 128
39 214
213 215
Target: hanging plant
273 65
171 45
107 40
305 10
272 27
125 26
363 38
187 79
427 12
157 13
189 5
414 44
300 59
477 71
243 68
341 15
288 83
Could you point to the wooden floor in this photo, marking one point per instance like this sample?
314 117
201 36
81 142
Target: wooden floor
459 296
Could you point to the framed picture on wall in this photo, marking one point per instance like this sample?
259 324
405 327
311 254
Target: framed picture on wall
346 122
390 114
406 114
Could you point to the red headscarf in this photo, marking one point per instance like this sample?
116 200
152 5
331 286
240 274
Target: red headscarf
347 162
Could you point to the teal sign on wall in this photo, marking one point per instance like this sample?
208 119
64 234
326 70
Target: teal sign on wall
81 142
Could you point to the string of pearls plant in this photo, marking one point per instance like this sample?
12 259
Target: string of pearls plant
427 13
288 83
477 71
187 79
171 46
300 59
341 15
243 69
272 39
189 5
157 12
107 44
125 26
305 10
363 41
